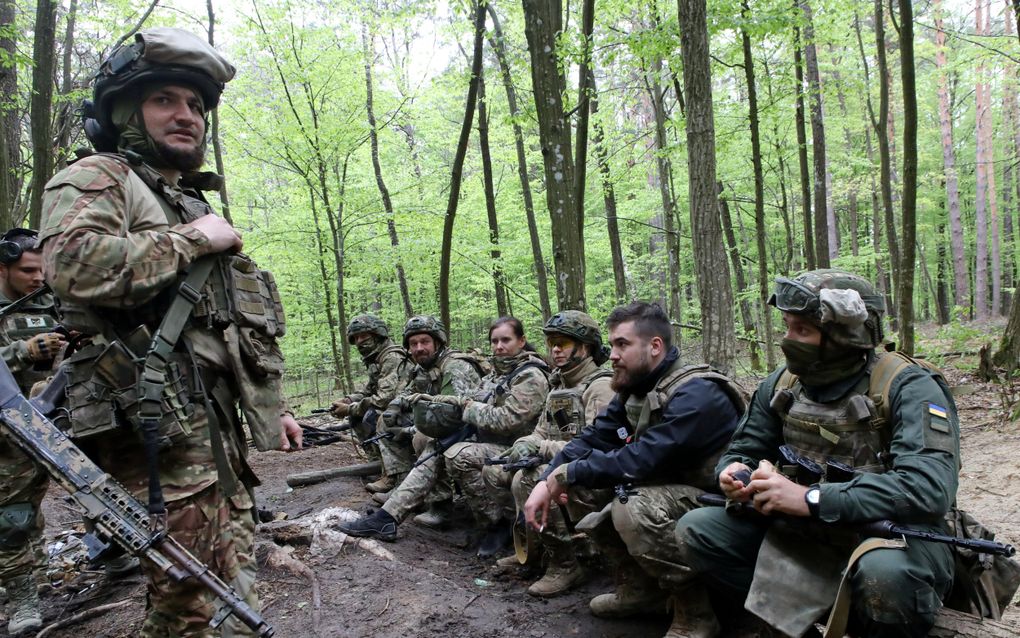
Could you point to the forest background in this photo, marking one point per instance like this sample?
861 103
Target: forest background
471 160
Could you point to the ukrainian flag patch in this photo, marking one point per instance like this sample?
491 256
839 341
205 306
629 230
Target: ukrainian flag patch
937 410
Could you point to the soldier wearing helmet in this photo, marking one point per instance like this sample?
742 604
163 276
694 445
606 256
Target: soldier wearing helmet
439 370
579 390
842 434
119 227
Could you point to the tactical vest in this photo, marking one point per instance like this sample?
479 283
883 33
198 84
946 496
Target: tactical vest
854 430
22 324
434 379
564 408
375 368
496 392
644 412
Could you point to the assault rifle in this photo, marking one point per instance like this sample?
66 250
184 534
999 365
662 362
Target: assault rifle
443 444
378 437
312 435
114 511
525 463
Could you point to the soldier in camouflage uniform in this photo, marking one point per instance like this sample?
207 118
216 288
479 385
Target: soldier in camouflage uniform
506 407
660 435
389 372
889 421
119 229
440 371
579 390
28 345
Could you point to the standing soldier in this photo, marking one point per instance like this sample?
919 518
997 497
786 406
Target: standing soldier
880 437
28 344
183 327
579 390
389 372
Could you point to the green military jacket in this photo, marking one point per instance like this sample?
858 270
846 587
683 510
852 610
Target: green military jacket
389 372
509 402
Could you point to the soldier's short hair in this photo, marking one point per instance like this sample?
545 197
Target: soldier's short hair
650 320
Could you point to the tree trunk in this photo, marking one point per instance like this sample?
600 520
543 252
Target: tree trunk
391 227
950 623
941 282
214 133
746 316
490 200
995 305
981 185
821 222
43 55
541 275
1008 355
1008 208
714 290
949 165
881 126
327 291
609 199
784 204
585 79
458 164
65 117
759 188
805 175
542 26
909 197
339 257
10 139
848 140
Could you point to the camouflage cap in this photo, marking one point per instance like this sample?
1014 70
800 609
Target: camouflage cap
846 307
425 324
367 323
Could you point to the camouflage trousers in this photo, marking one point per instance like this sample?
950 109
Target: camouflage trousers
466 464
22 487
427 483
397 458
220 532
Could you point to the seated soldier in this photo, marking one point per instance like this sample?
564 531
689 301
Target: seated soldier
891 424
440 370
661 435
389 371
579 390
507 406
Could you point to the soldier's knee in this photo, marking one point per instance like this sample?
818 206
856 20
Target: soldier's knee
694 536
890 590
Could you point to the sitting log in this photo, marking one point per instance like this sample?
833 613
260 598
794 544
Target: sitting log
950 623
320 476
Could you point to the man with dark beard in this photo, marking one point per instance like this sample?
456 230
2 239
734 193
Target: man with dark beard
656 444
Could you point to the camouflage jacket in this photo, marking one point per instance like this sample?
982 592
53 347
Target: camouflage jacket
389 372
509 402
35 317
548 436
109 245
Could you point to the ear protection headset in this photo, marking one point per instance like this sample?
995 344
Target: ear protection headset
11 249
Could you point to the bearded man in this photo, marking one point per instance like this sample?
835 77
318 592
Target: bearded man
656 443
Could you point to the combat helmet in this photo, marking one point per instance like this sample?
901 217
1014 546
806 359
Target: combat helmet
367 323
158 55
426 324
846 307
578 326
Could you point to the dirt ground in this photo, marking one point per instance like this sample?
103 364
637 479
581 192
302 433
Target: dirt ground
429 583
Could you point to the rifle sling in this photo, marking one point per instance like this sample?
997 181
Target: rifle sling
835 627
153 374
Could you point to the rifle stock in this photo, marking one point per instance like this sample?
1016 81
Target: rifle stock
115 512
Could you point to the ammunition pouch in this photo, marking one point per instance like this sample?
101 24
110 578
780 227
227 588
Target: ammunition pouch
437 420
17 521
239 293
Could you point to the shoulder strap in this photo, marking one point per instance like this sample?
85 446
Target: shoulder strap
889 366
674 380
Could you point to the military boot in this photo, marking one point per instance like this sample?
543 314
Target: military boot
693 616
562 574
437 516
497 538
381 497
386 483
636 593
378 525
23 605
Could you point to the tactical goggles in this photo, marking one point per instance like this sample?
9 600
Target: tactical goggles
562 342
793 296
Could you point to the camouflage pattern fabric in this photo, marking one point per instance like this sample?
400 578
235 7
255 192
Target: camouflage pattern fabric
221 535
389 372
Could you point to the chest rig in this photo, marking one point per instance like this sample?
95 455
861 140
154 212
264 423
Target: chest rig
23 322
565 409
375 367
644 412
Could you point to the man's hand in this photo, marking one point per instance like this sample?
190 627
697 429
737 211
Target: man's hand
45 346
400 435
523 448
773 492
340 408
419 396
731 487
290 434
451 399
536 508
221 235
558 485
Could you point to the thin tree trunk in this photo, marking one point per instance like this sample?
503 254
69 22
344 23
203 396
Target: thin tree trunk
10 139
609 200
1008 207
746 316
942 285
821 222
784 204
67 108
805 175
327 290
995 305
43 56
541 275
909 198
1008 355
759 188
542 26
458 163
339 257
881 126
585 79
848 140
384 193
715 292
214 133
490 200
981 187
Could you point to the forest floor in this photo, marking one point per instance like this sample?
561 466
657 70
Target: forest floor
429 583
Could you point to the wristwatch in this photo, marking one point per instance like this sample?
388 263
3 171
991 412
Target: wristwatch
811 497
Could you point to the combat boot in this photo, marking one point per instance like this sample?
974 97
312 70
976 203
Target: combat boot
23 605
497 538
508 562
693 616
437 516
381 497
378 525
386 483
636 593
562 573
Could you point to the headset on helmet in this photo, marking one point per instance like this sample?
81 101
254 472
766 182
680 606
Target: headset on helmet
161 55
15 242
